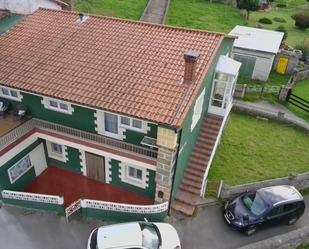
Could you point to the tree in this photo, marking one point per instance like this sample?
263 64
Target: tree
249 5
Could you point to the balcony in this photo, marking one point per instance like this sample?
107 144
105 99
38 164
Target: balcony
14 131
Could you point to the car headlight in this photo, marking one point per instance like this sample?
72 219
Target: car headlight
238 223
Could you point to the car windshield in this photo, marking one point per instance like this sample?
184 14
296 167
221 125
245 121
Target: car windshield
151 237
254 203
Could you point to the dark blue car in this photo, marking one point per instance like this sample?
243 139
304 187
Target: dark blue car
266 205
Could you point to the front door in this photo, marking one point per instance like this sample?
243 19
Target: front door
95 167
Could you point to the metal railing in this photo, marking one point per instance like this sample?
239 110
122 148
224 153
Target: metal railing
115 144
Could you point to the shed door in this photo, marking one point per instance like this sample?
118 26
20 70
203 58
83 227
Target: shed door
95 167
247 65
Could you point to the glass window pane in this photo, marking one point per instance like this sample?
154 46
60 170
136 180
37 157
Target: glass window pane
137 123
14 93
5 91
57 148
221 76
53 103
125 121
139 174
64 106
111 122
131 172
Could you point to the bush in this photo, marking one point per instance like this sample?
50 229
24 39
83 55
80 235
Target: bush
279 19
301 20
281 5
281 28
265 20
304 49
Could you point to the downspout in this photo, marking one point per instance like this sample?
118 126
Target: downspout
173 180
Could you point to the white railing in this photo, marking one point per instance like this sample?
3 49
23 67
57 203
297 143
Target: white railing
115 144
24 196
204 184
125 208
73 208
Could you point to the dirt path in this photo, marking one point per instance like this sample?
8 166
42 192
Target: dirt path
155 11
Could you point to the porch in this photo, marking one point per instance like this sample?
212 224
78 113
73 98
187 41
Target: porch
9 122
72 186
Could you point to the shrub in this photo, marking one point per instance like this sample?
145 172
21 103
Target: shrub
279 19
304 49
281 28
301 20
265 20
281 5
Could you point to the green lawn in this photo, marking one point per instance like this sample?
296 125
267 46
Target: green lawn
302 90
255 150
201 14
274 79
129 9
295 35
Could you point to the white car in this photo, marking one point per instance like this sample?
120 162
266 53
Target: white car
134 235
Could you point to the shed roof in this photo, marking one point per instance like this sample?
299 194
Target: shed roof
257 39
122 66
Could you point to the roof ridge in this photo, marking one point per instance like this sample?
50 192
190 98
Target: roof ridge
140 22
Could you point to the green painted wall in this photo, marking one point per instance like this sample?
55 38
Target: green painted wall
118 216
81 118
148 191
73 162
135 137
188 138
55 208
22 182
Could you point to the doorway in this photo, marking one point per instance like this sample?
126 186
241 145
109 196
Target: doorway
95 167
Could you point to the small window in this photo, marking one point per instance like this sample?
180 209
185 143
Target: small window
137 123
53 103
56 148
125 121
14 94
64 106
135 173
5 91
57 105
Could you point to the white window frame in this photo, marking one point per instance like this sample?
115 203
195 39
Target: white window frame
143 128
27 157
125 177
198 109
9 95
47 104
107 133
56 155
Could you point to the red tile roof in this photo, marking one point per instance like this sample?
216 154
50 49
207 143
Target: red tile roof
117 65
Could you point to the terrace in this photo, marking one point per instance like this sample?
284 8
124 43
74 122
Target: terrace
9 123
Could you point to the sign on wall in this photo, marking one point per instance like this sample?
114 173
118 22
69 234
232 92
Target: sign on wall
19 169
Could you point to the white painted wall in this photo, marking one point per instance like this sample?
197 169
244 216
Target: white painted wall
38 160
263 64
26 7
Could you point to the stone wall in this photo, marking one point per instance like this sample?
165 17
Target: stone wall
291 240
299 181
292 63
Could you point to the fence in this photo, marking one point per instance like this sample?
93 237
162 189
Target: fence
242 89
298 101
52 203
299 181
123 212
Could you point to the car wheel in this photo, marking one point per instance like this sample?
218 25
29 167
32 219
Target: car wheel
292 221
250 231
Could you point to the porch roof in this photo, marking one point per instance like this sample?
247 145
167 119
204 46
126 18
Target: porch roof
73 186
227 65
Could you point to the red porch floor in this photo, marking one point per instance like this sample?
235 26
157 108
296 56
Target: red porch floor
72 186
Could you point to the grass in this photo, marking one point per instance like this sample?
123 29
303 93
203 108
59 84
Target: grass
129 9
274 79
295 35
201 14
302 90
254 150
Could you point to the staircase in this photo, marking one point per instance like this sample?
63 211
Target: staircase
188 195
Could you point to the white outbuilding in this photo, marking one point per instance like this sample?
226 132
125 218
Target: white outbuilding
256 50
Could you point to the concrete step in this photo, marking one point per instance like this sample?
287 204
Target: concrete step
193 177
190 189
201 150
194 184
206 141
198 161
183 208
186 197
194 171
208 136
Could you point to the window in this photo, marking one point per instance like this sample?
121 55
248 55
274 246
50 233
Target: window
198 108
137 123
111 122
135 173
125 121
133 124
57 105
56 151
19 169
10 94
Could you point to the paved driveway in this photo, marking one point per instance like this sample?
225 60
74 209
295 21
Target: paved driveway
35 230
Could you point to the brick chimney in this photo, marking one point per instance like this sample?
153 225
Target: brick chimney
191 58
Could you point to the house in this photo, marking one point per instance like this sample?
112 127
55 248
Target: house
105 113
256 50
26 7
